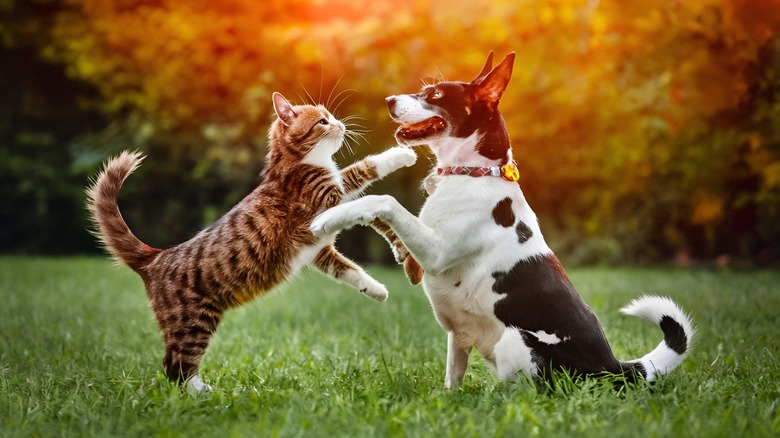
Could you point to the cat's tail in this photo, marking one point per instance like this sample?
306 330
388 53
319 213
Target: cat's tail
678 334
110 227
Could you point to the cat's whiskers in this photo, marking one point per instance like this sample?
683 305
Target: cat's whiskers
311 99
338 102
330 95
354 132
349 138
352 117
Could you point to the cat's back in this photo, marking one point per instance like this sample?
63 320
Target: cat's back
254 246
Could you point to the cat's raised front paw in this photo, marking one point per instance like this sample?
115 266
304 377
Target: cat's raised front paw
394 159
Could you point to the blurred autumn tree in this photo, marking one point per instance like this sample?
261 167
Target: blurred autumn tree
643 129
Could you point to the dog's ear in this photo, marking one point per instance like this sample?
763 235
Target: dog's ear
490 89
485 70
283 109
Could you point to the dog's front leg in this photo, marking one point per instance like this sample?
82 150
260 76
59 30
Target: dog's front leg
457 362
428 247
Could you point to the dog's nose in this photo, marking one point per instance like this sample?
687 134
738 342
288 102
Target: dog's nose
390 103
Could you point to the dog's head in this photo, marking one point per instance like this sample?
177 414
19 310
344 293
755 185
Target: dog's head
458 120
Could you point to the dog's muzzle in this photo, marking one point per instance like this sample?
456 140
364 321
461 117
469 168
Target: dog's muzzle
391 101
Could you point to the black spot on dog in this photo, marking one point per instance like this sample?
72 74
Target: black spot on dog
502 213
457 284
674 335
537 295
523 232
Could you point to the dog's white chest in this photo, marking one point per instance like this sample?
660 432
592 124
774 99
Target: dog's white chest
462 211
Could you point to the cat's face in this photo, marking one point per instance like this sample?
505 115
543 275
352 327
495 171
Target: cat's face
311 133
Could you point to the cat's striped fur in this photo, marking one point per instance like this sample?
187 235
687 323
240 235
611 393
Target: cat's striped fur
261 242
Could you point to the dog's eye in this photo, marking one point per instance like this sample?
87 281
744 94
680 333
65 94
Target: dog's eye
323 122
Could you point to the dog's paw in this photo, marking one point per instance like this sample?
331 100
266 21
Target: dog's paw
337 219
358 212
317 226
322 225
394 159
329 222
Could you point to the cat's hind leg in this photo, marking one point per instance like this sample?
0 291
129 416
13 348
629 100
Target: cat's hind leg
188 327
333 263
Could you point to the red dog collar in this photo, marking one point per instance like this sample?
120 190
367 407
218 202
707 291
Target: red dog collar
508 171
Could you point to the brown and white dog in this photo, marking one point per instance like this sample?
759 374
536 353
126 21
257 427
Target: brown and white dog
492 281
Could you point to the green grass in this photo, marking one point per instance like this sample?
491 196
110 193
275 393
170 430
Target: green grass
80 356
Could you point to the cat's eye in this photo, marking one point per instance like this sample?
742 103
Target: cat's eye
436 95
323 122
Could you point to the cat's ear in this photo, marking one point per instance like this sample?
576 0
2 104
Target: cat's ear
283 109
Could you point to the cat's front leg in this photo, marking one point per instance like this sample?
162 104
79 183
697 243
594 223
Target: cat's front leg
360 175
414 272
400 253
335 264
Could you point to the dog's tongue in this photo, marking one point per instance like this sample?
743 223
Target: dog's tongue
423 129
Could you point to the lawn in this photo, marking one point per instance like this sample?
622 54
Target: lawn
80 355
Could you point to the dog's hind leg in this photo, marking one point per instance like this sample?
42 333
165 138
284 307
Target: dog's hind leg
457 362
512 355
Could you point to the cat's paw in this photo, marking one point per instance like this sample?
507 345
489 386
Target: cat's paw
360 280
393 159
373 289
195 386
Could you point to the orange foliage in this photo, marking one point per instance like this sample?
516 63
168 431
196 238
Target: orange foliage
619 111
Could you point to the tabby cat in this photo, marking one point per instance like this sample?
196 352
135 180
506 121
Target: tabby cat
262 241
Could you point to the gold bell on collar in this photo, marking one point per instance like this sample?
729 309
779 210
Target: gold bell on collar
509 172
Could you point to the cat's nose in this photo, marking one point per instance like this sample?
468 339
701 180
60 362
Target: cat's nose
390 101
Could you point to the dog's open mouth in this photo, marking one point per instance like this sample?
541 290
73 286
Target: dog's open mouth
423 129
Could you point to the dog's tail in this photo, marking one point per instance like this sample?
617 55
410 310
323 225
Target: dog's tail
110 227
678 334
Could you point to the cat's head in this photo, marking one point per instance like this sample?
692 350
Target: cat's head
306 133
